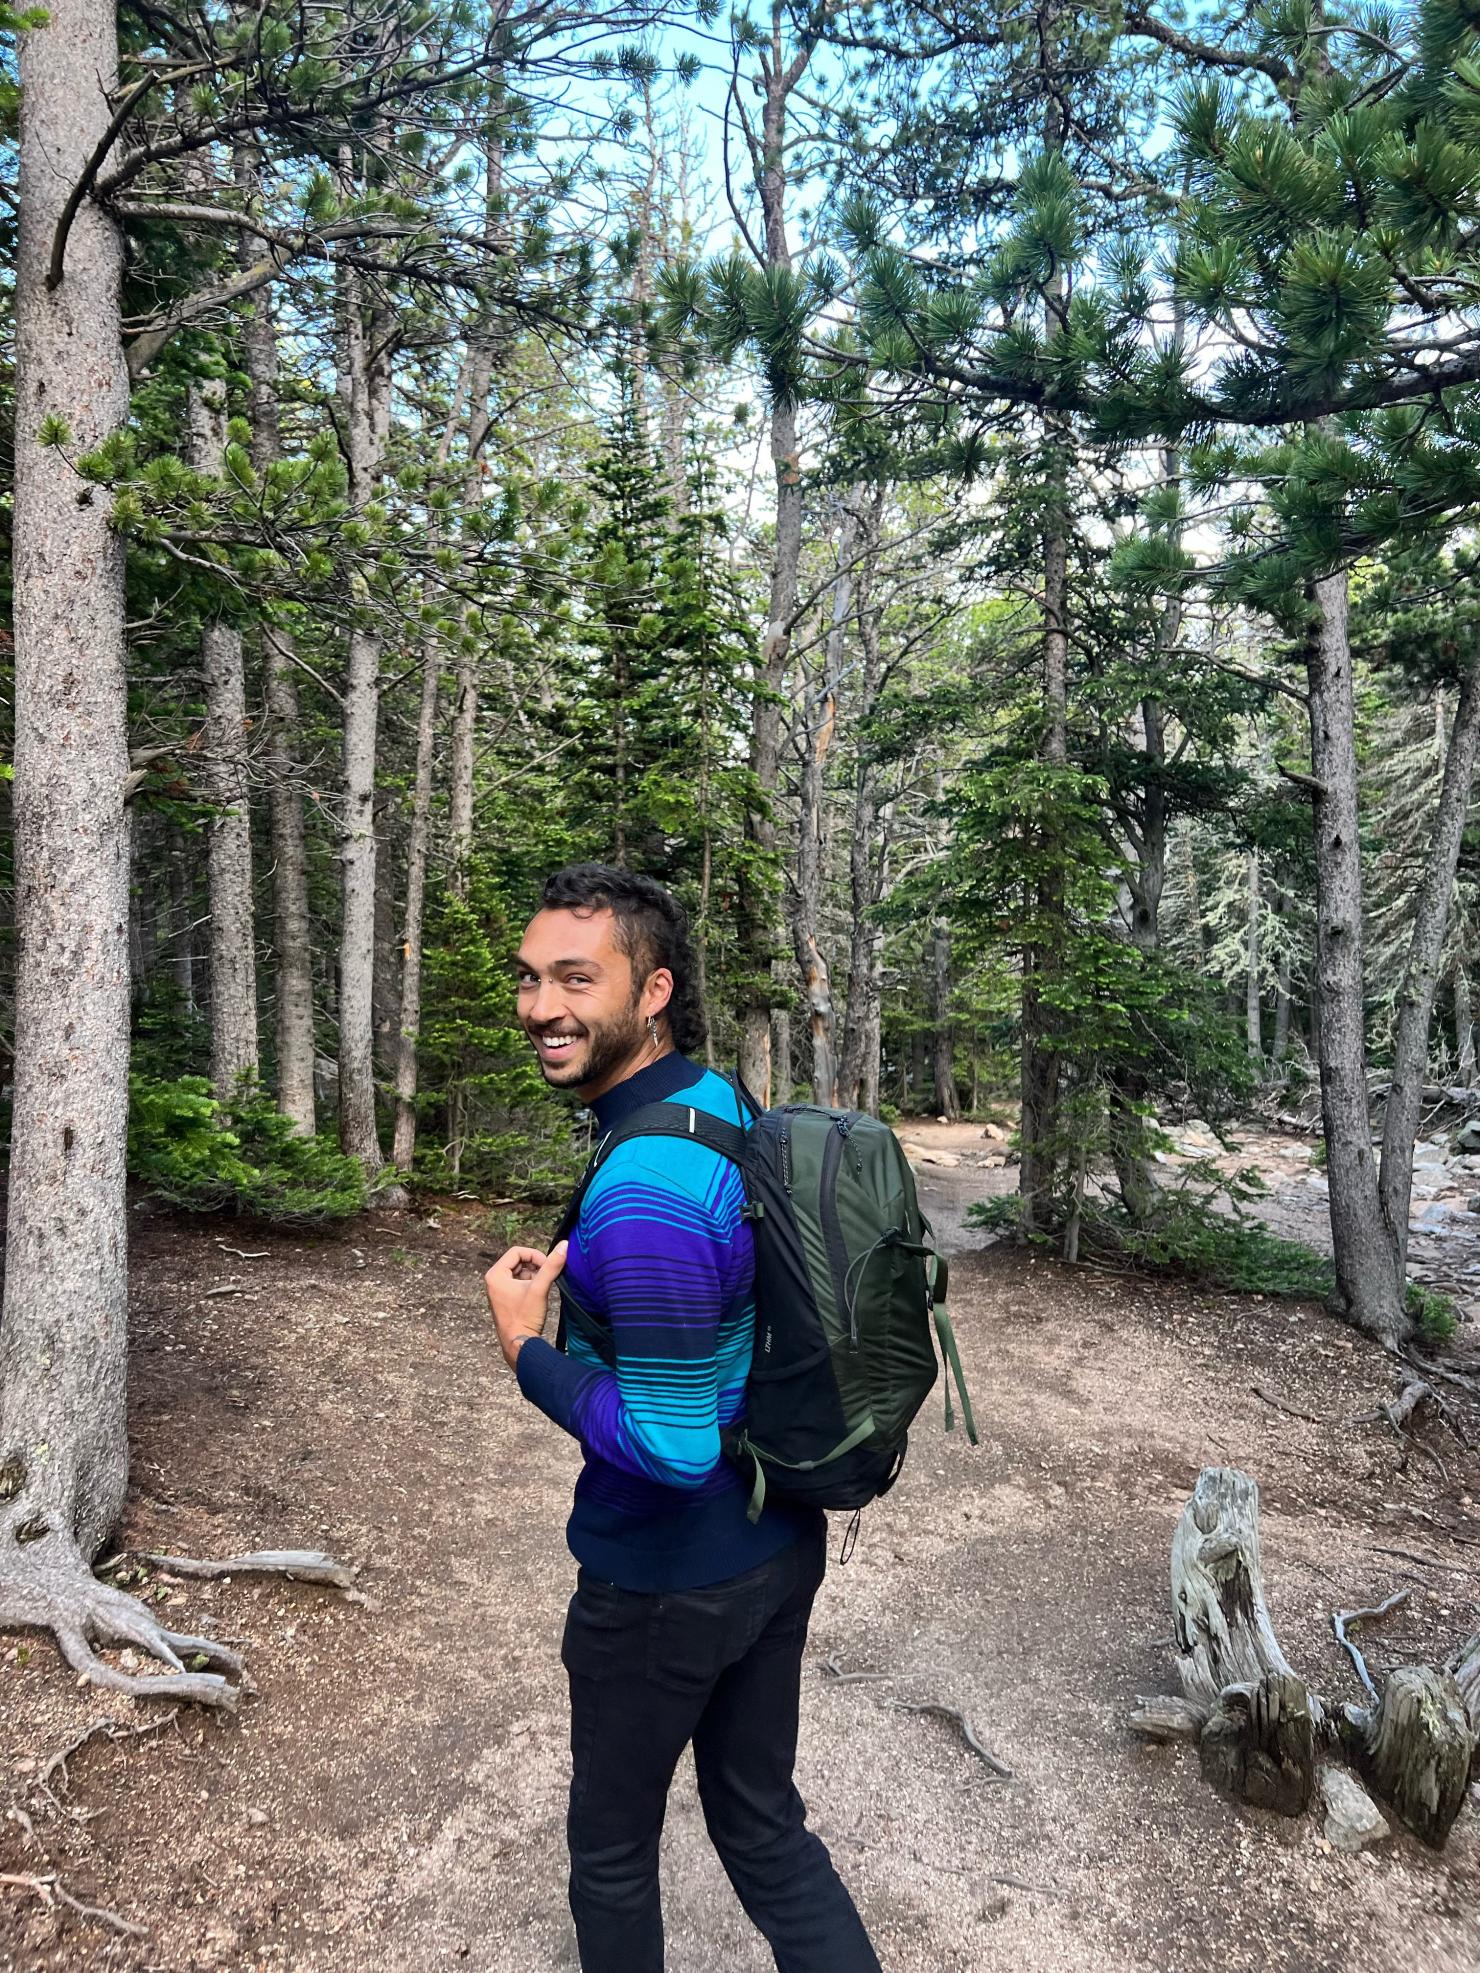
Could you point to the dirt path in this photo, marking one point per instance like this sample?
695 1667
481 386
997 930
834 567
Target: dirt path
392 1801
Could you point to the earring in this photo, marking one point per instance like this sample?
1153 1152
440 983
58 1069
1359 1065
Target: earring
653 1029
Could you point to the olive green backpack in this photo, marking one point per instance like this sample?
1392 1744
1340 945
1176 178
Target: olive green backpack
849 1293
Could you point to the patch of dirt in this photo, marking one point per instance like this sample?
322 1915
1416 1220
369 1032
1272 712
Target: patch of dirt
393 1798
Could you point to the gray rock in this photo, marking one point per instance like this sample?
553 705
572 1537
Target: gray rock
1353 1819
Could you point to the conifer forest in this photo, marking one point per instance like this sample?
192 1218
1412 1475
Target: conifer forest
979 498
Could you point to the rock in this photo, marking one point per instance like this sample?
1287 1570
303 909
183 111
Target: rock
1473 1207
257 1817
1467 1138
1353 1819
947 1158
995 1134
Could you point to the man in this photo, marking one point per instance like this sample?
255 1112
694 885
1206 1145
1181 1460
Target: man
688 1621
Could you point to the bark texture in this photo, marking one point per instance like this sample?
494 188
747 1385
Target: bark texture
293 996
361 397
1369 1273
819 724
229 839
404 1147
63 1450
1422 970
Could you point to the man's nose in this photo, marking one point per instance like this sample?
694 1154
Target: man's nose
546 1005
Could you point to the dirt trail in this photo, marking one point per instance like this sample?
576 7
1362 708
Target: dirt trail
393 1799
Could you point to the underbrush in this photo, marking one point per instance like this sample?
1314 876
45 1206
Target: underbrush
196 1153
1189 1238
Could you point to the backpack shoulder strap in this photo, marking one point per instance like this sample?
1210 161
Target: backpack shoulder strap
656 1120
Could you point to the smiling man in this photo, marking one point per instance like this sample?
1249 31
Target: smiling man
689 1621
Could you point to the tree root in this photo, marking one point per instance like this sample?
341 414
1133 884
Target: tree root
46 1585
308 1565
49 1888
1341 1622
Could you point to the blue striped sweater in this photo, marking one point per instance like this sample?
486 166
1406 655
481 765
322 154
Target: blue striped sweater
662 1253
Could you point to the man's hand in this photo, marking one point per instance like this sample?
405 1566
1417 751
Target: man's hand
518 1285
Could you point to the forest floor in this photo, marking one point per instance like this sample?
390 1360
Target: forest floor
391 1800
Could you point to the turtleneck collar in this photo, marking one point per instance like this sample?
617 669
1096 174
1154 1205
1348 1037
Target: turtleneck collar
660 1079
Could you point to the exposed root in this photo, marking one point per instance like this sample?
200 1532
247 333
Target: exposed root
50 1889
1342 1620
308 1565
935 1710
57 1763
46 1585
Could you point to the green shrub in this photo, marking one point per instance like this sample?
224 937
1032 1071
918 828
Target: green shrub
1188 1237
1435 1316
190 1151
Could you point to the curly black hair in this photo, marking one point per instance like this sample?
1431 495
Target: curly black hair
651 927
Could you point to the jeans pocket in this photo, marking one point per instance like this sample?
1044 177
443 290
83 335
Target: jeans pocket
694 1636
601 1624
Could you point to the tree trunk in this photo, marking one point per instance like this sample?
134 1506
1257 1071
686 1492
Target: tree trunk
1369 1268
1464 1022
357 1124
475 468
1253 1008
63 1328
759 922
178 865
1041 959
224 779
1281 1043
858 1070
404 1146
63 1450
1421 973
943 1039
294 952
819 723
782 1077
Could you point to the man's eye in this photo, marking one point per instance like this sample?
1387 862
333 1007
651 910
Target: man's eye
577 979
527 980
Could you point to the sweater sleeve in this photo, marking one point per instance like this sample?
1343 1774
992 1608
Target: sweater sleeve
661 1266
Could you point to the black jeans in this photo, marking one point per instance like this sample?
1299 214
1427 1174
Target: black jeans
720 1666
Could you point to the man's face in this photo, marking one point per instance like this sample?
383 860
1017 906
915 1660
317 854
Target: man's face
578 1002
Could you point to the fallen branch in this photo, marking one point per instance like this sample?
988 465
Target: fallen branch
234 1288
1341 1621
241 1255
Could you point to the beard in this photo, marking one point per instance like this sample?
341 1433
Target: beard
602 1048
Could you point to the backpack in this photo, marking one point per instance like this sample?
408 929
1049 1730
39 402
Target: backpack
848 1286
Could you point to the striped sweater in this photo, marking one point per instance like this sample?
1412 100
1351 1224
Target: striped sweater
662 1254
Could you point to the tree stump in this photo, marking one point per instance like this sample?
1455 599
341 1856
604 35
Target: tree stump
1259 1746
1260 1731
1465 1668
1414 1748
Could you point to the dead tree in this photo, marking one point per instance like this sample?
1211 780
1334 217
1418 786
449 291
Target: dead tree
1260 1731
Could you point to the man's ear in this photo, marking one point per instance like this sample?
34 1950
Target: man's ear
658 991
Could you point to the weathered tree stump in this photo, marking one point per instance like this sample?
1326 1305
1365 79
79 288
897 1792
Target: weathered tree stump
1465 1669
1414 1748
1263 1726
1259 1729
1260 1744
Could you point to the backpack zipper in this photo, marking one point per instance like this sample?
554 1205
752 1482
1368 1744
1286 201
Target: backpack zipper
786 1159
832 1227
